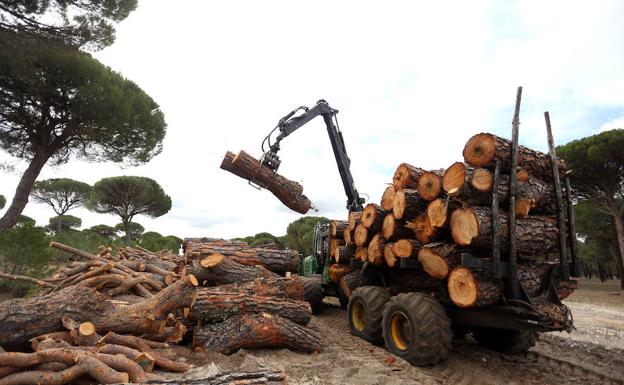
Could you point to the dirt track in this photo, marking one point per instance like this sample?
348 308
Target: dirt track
557 359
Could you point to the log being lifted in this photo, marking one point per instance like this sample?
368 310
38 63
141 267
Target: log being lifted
468 288
255 331
483 149
44 314
372 217
247 167
393 229
472 187
535 235
220 269
407 204
387 198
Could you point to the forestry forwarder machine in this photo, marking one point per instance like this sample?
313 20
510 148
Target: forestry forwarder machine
417 326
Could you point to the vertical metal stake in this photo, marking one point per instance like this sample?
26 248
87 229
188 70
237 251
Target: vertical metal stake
572 229
495 223
563 258
513 252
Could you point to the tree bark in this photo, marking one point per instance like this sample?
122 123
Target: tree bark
483 149
372 217
619 229
219 269
247 167
338 228
20 199
44 313
278 261
256 331
468 288
535 235
351 281
407 204
393 229
344 253
279 287
218 305
406 176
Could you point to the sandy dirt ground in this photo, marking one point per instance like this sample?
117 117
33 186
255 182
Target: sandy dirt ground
592 354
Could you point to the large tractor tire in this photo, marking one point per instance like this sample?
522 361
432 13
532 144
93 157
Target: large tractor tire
365 311
417 329
313 293
505 340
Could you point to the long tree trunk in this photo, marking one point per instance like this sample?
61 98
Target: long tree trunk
619 229
20 199
126 225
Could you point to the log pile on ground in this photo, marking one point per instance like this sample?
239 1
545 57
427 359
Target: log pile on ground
428 218
111 318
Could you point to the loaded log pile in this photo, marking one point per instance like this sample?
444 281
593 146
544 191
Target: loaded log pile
427 219
112 318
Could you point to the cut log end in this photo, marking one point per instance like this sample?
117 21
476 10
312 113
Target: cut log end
361 235
480 150
212 260
354 218
482 180
433 263
462 287
429 186
464 226
523 206
387 198
86 329
372 217
454 176
436 211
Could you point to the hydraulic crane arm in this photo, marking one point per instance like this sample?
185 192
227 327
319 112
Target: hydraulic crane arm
290 123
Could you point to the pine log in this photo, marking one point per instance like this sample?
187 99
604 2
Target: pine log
468 288
354 219
404 280
278 261
423 231
388 254
351 281
255 331
483 149
437 259
257 377
333 247
345 253
338 227
437 212
290 193
387 198
375 250
285 288
535 235
27 279
336 272
406 176
407 204
217 306
406 248
361 253
393 229
219 269
361 236
44 313
347 235
430 185
372 217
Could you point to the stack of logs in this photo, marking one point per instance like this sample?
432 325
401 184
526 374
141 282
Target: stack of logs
430 218
111 318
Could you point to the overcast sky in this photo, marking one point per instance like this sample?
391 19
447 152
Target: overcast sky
412 80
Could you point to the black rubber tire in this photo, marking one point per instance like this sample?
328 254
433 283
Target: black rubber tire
419 323
313 293
505 340
365 311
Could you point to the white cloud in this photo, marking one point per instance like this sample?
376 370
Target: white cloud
412 80
612 124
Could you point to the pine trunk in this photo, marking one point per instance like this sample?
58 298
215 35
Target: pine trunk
219 269
438 259
535 235
393 229
372 217
468 288
247 167
387 198
375 250
253 331
338 228
407 204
